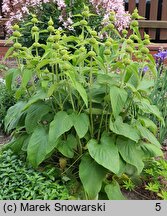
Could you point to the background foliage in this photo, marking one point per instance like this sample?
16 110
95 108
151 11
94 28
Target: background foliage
7 100
159 93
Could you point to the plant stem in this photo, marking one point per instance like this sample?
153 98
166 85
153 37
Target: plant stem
123 77
28 92
71 98
100 126
101 122
90 105
72 164
53 74
80 145
37 52
106 123
57 73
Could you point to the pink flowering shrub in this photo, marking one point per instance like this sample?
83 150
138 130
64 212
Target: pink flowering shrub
17 10
105 7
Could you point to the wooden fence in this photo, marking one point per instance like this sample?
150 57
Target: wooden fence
155 12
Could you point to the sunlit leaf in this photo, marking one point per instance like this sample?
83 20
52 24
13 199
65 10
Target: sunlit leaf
105 153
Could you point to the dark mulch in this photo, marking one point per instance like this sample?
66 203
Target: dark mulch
4 139
140 193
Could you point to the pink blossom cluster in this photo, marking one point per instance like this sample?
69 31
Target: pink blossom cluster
122 18
17 9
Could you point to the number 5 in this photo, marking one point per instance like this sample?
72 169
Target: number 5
158 207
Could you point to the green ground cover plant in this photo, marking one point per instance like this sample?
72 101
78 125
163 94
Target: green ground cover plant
151 185
86 103
155 178
19 182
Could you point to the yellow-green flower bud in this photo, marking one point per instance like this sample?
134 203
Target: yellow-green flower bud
17 45
107 52
93 33
57 37
112 13
135 37
35 29
92 41
146 36
50 39
16 34
139 56
63 52
146 42
91 53
15 27
129 41
36 45
50 23
24 48
86 8
15 54
134 23
110 40
85 13
132 37
45 77
51 29
107 43
82 49
66 57
112 17
46 71
66 67
144 50
110 26
83 22
126 61
122 40
24 53
135 15
34 15
34 20
56 46
129 49
124 32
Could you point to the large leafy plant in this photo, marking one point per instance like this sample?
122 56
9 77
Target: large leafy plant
87 102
